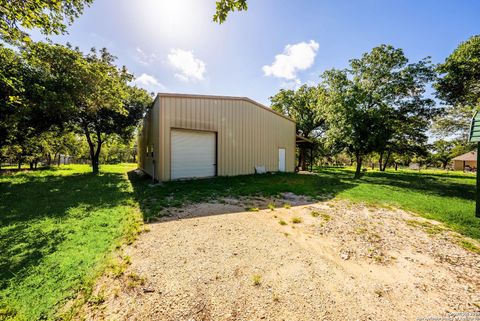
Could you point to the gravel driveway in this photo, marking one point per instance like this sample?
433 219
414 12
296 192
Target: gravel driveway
343 261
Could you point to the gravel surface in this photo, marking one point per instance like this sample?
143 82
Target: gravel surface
343 261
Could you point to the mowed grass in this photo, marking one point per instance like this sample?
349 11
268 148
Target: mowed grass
446 197
57 228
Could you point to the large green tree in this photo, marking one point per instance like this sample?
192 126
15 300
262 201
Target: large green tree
87 93
377 103
459 87
443 152
49 16
12 73
21 117
304 106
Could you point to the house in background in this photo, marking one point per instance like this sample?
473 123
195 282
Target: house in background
467 161
193 136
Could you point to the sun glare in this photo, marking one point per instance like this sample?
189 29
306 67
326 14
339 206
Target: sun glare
171 19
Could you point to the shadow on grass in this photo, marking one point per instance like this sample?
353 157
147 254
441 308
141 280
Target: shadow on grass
32 206
429 183
154 198
13 170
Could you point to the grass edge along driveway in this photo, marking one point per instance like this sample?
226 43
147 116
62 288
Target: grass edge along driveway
58 229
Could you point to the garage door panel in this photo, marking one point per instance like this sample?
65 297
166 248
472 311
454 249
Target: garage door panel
193 154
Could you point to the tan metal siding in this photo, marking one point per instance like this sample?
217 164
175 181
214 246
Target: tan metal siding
141 146
459 166
156 136
248 135
149 138
147 143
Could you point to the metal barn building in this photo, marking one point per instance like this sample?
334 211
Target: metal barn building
467 161
193 136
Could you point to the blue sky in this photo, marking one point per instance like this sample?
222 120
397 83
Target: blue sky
174 46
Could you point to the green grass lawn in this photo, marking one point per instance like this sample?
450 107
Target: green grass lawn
446 197
57 227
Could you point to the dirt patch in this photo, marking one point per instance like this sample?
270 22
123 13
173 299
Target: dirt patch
338 261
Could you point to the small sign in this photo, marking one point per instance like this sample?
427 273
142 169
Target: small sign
475 129
475 138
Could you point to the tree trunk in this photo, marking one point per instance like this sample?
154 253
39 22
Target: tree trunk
31 165
396 166
19 164
386 162
94 154
444 164
304 161
59 158
95 165
301 157
358 171
380 161
49 159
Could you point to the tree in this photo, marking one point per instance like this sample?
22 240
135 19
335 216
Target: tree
12 73
377 103
303 106
20 120
408 135
357 126
224 7
459 87
58 141
119 151
50 17
443 152
88 94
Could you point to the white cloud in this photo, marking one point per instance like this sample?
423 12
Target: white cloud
144 58
148 82
295 57
188 66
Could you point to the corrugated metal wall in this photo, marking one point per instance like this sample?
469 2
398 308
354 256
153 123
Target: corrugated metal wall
148 141
458 164
247 134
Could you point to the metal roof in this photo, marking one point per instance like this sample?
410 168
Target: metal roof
470 156
178 95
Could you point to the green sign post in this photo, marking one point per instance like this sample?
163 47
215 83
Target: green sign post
475 138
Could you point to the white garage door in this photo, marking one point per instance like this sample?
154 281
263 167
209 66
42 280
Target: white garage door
193 154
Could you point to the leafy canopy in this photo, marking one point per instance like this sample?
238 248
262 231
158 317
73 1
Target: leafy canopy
303 106
49 16
378 102
12 74
88 93
224 7
459 87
